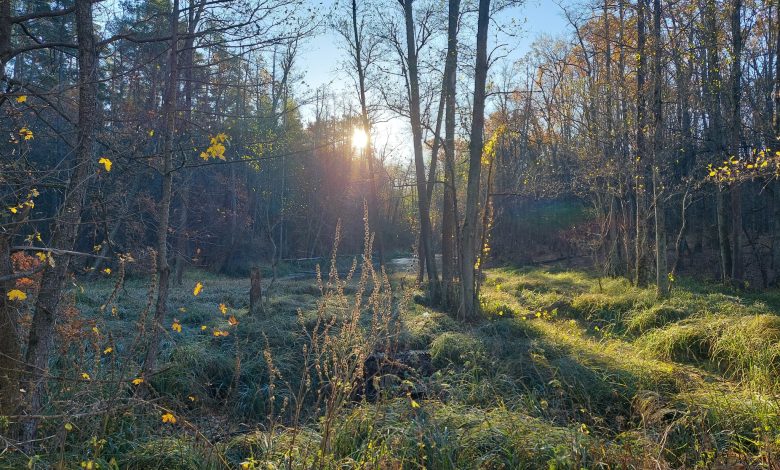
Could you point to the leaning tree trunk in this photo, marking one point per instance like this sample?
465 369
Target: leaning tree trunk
470 230
65 231
426 233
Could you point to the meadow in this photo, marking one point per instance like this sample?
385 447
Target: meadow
564 370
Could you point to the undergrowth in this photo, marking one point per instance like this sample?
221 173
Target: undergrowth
565 370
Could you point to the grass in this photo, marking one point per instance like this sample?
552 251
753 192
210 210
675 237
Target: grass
565 370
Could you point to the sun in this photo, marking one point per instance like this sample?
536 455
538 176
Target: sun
359 139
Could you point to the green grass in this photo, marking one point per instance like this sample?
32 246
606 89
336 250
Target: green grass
565 370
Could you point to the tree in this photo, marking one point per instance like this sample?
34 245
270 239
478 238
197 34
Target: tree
470 238
449 200
66 226
426 233
661 271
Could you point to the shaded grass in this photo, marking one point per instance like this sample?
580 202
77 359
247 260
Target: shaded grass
566 370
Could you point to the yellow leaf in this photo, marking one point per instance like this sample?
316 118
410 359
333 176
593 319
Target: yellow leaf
415 404
21 98
41 256
16 294
138 381
223 308
106 163
232 320
176 326
25 133
107 271
203 327
108 350
68 427
85 376
197 289
151 132
13 210
168 418
219 333
192 398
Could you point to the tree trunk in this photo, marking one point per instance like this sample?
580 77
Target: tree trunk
374 215
449 201
713 84
470 230
426 234
737 267
10 340
661 266
776 136
255 292
41 339
163 267
640 254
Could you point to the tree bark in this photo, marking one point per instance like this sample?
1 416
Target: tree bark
163 267
776 136
41 339
716 131
470 230
10 340
374 215
449 201
426 234
640 254
737 266
255 292
661 267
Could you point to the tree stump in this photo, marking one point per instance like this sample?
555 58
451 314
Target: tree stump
255 293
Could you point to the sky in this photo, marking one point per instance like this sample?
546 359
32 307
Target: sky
323 56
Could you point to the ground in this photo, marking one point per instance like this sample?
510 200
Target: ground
565 370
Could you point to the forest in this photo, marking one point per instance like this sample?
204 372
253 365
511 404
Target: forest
402 234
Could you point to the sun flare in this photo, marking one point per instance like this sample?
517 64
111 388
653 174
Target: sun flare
359 139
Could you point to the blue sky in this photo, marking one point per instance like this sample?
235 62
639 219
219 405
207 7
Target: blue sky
322 56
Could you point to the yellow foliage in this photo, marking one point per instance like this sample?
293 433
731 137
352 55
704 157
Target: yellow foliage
216 147
223 308
176 326
197 289
106 163
16 294
21 98
168 418
26 133
138 381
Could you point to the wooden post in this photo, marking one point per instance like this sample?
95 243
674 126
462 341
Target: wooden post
255 293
